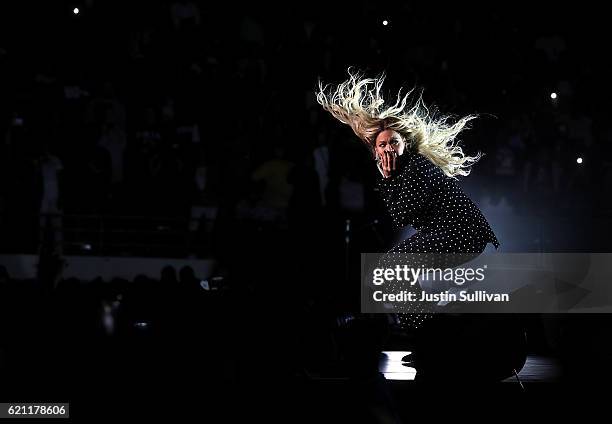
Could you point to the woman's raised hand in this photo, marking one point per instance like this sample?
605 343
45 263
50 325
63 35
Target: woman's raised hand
388 163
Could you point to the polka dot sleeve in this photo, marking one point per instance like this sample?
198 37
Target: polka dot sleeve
407 193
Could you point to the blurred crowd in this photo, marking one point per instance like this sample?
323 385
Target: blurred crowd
206 115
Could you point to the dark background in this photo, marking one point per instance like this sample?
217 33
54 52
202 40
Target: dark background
191 130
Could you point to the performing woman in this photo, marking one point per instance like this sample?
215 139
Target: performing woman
419 160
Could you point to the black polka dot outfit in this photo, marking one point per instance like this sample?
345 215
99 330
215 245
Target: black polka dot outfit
419 194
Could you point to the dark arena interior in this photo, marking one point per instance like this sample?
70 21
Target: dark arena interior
182 224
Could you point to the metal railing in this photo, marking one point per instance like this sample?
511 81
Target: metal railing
108 235
149 236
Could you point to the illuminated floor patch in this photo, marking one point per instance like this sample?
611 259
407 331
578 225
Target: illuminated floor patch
393 368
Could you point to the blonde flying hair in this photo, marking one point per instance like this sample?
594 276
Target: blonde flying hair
357 102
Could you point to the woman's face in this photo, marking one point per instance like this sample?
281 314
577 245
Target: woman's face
389 141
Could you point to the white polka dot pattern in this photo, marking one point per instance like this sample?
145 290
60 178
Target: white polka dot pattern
446 220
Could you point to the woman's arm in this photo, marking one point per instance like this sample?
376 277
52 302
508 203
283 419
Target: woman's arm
407 193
